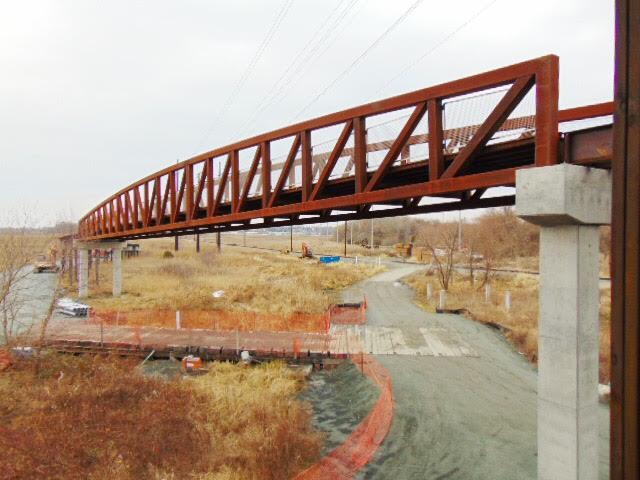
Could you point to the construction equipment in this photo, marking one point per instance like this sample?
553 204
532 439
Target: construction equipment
47 264
306 250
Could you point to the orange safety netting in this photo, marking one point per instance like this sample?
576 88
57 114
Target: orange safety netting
217 320
345 461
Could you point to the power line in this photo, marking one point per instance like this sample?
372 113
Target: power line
360 57
437 45
248 70
302 59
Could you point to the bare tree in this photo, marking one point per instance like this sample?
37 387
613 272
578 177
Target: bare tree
441 241
19 244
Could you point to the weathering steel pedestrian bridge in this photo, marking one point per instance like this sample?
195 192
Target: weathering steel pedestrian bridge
440 148
432 150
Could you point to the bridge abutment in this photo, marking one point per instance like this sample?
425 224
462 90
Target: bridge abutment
83 267
569 203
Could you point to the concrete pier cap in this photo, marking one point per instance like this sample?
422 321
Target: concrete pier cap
564 194
569 203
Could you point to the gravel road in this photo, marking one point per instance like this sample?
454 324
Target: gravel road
455 417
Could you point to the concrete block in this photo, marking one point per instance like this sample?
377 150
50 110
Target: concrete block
564 194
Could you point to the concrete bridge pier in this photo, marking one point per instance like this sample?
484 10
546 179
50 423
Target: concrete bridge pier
83 268
569 203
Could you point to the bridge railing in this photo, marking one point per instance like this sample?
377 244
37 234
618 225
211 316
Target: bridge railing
212 190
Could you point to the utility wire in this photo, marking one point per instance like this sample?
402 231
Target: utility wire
437 45
360 57
302 59
248 70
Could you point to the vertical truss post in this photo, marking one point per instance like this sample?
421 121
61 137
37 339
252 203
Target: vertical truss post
172 195
235 180
307 169
266 173
189 192
209 172
436 156
146 215
360 154
158 201
547 112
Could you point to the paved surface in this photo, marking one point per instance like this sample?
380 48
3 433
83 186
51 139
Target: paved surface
34 295
457 416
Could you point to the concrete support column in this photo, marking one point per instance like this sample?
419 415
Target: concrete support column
116 266
83 272
568 202
83 263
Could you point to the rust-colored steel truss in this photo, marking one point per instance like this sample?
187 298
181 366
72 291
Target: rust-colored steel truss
460 164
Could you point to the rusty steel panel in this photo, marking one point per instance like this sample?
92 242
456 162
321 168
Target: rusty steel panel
625 319
589 147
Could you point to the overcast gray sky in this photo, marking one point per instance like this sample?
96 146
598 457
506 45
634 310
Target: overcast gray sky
96 94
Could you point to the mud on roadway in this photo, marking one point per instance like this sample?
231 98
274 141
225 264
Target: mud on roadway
466 417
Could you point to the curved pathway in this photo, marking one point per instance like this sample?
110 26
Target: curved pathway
456 417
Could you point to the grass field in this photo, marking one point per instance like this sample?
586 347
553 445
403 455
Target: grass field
521 324
321 245
262 282
99 418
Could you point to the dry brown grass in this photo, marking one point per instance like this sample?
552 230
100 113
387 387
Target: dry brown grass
98 418
319 244
521 324
258 429
262 282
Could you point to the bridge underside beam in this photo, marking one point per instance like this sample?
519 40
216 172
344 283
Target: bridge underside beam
448 206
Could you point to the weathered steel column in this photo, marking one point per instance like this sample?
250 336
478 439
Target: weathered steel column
569 203
625 302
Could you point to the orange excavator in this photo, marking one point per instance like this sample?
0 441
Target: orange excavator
306 250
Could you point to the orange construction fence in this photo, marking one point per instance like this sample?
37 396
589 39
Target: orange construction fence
346 460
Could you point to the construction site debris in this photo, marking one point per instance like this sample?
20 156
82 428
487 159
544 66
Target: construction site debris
306 250
47 263
68 307
329 259
191 363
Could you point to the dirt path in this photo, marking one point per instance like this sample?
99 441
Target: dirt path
456 417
